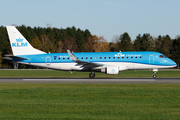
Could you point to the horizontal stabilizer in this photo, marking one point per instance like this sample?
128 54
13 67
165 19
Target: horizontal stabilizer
10 57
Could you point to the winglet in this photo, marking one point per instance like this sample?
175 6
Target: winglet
73 57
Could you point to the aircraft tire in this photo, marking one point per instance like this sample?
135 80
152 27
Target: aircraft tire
91 75
154 76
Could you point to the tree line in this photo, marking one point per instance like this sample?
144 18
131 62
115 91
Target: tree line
55 40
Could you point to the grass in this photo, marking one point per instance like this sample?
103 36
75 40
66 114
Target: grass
90 101
65 74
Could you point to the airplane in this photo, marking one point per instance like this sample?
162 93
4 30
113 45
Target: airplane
110 63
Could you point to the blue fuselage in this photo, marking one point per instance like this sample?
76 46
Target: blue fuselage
129 60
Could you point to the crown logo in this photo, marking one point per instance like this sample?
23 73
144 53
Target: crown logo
19 40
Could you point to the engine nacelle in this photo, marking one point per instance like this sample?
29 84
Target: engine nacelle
111 70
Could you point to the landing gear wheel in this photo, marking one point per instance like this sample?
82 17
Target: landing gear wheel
154 76
91 75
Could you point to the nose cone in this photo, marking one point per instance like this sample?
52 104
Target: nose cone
173 63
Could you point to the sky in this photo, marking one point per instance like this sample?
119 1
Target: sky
107 18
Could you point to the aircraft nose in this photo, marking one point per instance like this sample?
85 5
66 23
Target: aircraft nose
173 63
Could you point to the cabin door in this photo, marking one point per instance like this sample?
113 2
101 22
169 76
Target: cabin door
48 60
151 59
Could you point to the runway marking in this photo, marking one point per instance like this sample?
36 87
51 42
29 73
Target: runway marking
90 80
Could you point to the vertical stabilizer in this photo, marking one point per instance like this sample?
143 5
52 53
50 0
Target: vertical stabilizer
19 44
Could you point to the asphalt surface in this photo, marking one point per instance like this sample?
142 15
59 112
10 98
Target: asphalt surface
88 80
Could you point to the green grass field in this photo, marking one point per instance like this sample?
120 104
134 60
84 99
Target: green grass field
90 101
65 74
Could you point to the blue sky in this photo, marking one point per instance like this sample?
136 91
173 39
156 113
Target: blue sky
102 17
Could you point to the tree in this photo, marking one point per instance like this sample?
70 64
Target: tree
51 34
86 35
96 44
25 32
164 45
36 43
70 44
88 46
59 47
47 45
114 45
39 31
101 45
31 34
80 40
4 44
142 43
1 59
176 51
159 44
167 45
125 42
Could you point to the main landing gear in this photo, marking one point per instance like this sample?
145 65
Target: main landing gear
92 75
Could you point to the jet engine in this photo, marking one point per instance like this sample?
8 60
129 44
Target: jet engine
110 70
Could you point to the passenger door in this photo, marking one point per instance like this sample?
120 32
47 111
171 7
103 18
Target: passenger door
151 59
48 60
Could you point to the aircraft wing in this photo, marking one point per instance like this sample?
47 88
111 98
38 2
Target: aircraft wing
84 63
10 57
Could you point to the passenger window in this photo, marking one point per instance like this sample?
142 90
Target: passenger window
140 57
118 57
122 57
127 57
104 57
68 58
113 57
109 57
86 57
90 57
94 57
136 57
100 57
54 58
59 58
132 57
81 57
63 58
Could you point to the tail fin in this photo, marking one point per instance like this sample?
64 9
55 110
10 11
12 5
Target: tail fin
19 44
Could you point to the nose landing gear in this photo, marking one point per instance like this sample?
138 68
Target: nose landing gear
154 73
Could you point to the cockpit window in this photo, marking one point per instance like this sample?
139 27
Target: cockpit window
162 56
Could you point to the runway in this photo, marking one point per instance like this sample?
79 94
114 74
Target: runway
88 80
